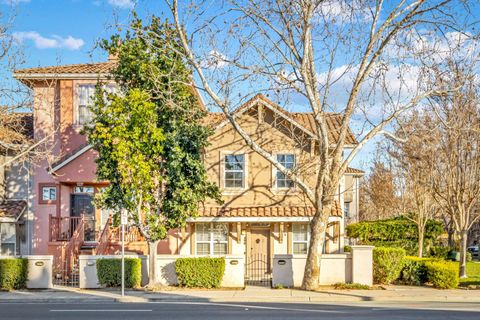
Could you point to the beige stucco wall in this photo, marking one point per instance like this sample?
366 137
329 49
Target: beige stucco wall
40 274
233 277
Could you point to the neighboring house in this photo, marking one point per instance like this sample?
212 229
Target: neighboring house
14 184
264 212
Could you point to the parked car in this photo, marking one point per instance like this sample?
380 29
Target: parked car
474 251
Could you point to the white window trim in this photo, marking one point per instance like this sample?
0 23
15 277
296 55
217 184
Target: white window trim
51 188
224 189
274 187
211 242
76 105
307 241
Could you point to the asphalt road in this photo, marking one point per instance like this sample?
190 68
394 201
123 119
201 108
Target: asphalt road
264 311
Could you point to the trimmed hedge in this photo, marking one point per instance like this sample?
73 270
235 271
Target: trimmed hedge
13 273
200 272
387 264
109 272
442 274
414 271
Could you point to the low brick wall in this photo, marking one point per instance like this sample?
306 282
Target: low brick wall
347 267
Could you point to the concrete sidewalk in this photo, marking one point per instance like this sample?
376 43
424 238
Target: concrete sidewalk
250 294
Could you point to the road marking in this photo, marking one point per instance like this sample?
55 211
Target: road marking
100 310
245 306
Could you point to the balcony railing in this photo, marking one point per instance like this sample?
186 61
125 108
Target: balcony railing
63 228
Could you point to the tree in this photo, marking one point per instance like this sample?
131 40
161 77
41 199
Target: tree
149 136
457 159
331 55
414 163
379 198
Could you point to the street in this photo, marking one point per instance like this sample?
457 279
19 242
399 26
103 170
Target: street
264 311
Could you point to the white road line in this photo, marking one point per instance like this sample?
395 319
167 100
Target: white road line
100 310
247 306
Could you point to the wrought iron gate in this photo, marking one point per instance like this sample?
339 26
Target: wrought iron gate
67 274
257 271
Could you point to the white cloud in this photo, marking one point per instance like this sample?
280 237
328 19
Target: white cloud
215 60
53 42
343 11
14 2
124 4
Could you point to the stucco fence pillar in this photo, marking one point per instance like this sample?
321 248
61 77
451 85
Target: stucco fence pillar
355 267
40 272
88 278
234 276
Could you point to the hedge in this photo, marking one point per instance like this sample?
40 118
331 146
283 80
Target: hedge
397 232
387 264
414 271
109 272
13 273
442 274
200 272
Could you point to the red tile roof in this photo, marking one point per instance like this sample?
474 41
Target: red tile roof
354 171
12 208
275 211
82 68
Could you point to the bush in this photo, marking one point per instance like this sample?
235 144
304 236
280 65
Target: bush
109 272
387 264
200 272
440 252
442 274
347 249
469 257
350 286
13 273
414 271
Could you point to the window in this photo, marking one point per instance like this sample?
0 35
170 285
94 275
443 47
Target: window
49 193
7 239
281 180
83 189
301 234
85 101
346 209
86 94
211 238
234 171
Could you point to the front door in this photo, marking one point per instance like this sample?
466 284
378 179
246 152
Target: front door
258 257
83 204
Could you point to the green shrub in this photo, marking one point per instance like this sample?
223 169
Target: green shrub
414 271
387 264
347 249
469 257
440 252
442 274
200 272
350 286
109 272
13 273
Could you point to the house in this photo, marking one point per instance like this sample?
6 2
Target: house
16 134
264 212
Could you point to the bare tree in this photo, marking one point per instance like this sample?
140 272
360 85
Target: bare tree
457 158
337 56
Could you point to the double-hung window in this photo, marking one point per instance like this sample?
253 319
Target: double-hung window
234 167
7 239
86 94
211 238
301 235
281 180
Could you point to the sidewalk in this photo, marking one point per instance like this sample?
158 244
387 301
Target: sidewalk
250 294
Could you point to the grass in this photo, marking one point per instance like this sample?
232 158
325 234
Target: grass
350 286
473 272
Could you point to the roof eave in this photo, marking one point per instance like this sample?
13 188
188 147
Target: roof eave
42 76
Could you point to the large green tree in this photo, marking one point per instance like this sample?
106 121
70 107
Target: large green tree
149 135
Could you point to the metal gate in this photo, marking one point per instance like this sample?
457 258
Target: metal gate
67 274
257 271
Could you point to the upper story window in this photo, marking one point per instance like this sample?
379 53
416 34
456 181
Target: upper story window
86 93
211 238
49 193
301 234
234 167
281 180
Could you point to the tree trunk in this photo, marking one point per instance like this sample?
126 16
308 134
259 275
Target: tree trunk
318 227
421 236
152 263
463 253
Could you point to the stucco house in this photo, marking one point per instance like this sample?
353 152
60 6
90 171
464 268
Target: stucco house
264 212
17 131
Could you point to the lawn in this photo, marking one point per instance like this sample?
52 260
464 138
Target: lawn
473 272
